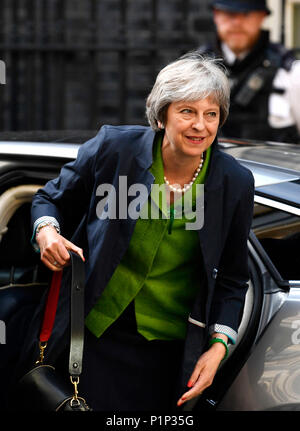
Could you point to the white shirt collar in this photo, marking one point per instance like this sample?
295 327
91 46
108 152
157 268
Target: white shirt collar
230 56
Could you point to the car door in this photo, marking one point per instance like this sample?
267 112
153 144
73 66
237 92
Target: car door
269 376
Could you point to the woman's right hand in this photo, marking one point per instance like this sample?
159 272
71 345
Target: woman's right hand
54 248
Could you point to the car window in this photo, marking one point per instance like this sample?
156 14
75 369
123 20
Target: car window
19 262
279 234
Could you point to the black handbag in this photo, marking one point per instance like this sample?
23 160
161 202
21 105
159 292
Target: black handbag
42 388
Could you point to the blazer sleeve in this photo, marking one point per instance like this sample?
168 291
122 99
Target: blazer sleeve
233 275
66 198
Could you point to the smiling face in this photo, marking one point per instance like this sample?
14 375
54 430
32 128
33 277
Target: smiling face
191 127
239 31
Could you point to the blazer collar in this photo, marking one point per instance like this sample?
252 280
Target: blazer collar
145 157
214 179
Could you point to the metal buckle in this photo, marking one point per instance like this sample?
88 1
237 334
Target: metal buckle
75 383
42 347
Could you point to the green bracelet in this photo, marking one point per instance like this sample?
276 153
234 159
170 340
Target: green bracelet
219 340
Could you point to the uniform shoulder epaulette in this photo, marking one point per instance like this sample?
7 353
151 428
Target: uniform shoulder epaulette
280 56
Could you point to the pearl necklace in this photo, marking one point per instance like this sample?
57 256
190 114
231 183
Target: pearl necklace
187 186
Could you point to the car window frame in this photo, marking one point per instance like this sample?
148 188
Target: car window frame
272 203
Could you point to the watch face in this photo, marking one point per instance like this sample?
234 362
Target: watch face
43 224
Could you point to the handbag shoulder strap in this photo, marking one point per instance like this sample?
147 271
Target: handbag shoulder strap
76 314
50 308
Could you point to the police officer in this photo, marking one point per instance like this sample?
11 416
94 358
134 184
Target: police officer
264 76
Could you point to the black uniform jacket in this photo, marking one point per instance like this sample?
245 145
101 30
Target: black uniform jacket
252 83
72 199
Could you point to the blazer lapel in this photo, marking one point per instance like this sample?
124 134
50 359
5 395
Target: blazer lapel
213 209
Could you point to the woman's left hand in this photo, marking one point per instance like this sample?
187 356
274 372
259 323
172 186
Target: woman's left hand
204 372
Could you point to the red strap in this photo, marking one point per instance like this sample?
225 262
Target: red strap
51 305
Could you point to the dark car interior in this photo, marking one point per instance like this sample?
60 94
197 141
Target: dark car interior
279 234
20 263
20 269
285 255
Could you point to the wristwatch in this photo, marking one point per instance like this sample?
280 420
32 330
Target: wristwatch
46 223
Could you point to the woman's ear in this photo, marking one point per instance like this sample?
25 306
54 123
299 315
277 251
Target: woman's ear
160 124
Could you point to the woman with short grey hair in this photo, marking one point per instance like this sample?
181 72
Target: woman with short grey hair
192 77
164 293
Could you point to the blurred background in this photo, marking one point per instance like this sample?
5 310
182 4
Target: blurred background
78 64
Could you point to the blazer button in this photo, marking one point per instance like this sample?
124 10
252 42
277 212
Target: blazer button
214 273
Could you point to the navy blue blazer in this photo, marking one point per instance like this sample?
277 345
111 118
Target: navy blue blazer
127 150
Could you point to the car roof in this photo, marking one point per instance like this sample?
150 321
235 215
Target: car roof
281 157
269 162
39 149
252 153
275 166
61 144
276 170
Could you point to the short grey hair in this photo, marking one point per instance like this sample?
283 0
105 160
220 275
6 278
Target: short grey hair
192 77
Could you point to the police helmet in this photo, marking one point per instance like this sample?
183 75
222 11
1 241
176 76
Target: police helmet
241 5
